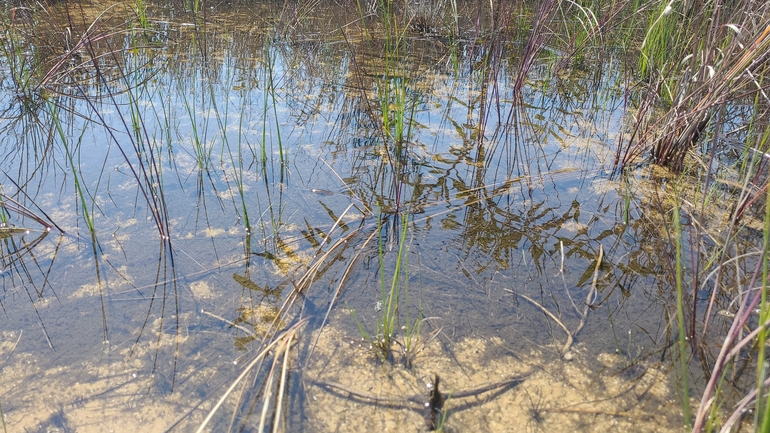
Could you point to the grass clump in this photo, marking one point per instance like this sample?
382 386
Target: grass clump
394 301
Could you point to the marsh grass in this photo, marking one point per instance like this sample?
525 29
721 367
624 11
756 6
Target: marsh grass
394 305
20 61
695 65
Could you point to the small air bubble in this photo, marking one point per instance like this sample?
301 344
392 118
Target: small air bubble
133 375
235 362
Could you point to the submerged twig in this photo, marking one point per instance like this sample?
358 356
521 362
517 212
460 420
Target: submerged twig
13 349
590 297
583 315
565 349
232 324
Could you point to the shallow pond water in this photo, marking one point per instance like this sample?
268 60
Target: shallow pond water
261 166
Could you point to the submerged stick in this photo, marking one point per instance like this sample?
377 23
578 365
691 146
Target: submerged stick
588 302
232 324
591 293
570 339
288 334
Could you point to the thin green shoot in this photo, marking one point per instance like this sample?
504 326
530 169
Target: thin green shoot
411 329
763 403
2 418
716 405
680 313
269 97
140 7
238 170
612 326
444 414
201 155
365 335
54 110
384 341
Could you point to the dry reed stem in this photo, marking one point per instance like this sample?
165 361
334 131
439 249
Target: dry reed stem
282 386
289 334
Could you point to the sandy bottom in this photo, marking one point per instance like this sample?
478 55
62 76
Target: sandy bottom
113 388
599 394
